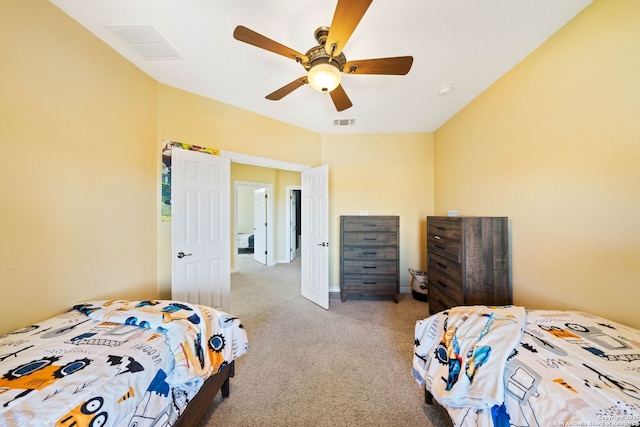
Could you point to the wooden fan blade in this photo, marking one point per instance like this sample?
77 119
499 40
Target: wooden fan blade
249 36
399 65
287 89
340 98
345 20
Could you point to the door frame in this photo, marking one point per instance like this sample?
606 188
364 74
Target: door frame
266 163
263 161
289 214
270 239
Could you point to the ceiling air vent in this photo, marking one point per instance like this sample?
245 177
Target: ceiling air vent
344 122
146 41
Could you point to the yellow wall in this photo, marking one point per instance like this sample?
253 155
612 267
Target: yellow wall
555 145
386 174
245 205
77 181
193 119
81 215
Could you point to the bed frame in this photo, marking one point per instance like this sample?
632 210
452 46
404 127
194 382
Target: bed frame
201 403
428 397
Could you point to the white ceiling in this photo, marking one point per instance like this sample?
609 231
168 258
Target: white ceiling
466 44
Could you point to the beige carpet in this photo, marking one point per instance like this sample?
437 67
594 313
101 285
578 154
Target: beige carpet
346 366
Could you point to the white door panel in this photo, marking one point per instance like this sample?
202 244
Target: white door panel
200 203
315 235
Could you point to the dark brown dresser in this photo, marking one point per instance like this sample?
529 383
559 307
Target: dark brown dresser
468 261
369 255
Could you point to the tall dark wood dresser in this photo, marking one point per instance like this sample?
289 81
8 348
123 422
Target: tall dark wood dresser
369 255
468 261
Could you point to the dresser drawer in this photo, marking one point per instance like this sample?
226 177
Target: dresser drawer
445 267
366 223
369 255
357 252
444 247
468 261
445 284
364 283
447 227
439 301
369 239
370 267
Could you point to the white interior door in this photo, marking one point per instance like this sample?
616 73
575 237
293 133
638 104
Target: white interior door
314 266
260 225
201 244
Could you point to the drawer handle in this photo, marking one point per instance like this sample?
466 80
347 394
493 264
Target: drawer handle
370 283
441 283
370 238
440 247
442 228
369 266
441 265
370 253
436 237
369 225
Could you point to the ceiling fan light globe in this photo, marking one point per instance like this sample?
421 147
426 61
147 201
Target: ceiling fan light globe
324 77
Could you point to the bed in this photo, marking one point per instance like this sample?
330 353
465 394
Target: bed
119 363
507 366
245 243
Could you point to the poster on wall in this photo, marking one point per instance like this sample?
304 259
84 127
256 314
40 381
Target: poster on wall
166 172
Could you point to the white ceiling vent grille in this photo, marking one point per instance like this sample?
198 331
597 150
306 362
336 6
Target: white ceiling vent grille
146 41
344 122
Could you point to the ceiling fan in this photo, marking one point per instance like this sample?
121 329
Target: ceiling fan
326 62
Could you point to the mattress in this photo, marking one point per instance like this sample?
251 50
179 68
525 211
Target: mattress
113 363
245 241
502 366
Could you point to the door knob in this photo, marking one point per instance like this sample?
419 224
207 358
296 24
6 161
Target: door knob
182 255
323 244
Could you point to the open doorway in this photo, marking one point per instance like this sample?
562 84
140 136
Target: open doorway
294 221
284 231
254 222
284 177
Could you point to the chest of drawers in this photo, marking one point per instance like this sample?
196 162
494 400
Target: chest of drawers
369 255
468 261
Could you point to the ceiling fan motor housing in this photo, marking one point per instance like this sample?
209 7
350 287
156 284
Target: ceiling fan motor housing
321 34
318 55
